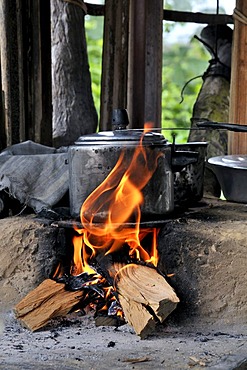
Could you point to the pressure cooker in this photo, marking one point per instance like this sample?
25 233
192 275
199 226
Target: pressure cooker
94 156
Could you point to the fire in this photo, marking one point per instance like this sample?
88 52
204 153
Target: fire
117 201
111 217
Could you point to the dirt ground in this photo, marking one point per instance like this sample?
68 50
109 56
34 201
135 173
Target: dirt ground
205 249
75 343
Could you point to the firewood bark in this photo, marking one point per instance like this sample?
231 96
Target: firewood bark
47 301
145 296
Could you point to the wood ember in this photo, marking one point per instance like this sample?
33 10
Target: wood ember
145 296
99 293
47 301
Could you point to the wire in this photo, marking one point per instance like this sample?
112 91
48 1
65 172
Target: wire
184 87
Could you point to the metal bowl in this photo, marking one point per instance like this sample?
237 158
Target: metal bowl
231 172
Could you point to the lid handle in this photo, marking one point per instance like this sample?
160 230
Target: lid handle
120 119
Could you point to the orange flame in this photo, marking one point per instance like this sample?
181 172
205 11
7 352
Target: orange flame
117 200
148 126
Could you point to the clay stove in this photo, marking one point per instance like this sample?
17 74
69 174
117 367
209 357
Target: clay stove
128 287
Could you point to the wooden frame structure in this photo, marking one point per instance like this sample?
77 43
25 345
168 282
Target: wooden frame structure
131 76
237 143
25 71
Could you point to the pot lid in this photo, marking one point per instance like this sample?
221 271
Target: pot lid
232 161
122 136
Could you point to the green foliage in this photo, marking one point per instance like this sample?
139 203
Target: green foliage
181 62
94 35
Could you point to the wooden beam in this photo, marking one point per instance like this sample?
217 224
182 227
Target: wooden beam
95 10
237 143
178 16
174 15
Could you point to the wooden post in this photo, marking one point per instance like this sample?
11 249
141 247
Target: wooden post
2 116
9 69
115 60
35 62
41 109
26 70
145 62
237 143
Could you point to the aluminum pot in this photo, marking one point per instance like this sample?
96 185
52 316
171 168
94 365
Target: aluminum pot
93 157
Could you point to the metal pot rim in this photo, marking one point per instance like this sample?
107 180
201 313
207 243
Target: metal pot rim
230 161
122 136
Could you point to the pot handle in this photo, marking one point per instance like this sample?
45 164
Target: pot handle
183 158
221 125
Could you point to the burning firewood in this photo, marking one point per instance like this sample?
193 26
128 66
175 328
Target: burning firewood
57 298
47 301
145 296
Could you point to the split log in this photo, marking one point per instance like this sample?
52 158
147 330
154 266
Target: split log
49 300
145 296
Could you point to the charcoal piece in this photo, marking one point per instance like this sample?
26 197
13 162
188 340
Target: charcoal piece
76 282
92 298
114 308
96 288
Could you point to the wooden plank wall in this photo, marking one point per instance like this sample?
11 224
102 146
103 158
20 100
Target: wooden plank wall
26 106
9 69
145 62
115 60
237 142
26 71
